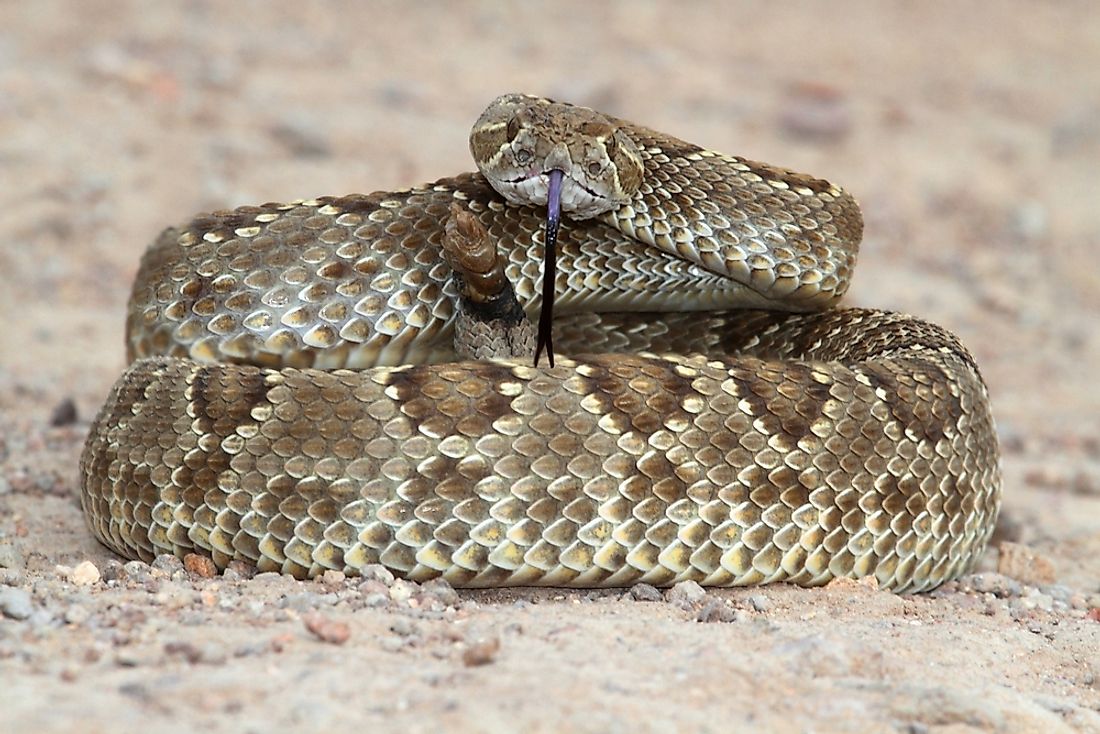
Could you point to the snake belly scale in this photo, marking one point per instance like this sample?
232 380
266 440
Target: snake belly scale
294 399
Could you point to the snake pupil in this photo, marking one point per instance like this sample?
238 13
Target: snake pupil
512 130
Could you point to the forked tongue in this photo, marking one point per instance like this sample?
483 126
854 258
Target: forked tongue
549 267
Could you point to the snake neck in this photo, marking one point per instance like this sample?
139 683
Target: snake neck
789 238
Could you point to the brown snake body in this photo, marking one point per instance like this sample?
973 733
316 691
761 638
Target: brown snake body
682 438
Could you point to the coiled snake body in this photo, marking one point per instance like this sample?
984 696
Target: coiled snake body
295 400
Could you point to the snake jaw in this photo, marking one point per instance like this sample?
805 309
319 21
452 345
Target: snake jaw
577 199
549 264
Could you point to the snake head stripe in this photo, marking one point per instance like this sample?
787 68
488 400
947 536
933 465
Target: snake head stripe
520 139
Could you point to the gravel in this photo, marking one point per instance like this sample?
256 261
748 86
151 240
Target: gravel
401 591
15 603
991 583
85 574
686 594
717 610
759 603
11 557
440 591
645 592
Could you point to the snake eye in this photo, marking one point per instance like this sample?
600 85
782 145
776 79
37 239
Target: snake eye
523 156
594 168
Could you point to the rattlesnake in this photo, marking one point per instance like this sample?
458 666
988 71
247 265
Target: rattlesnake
294 399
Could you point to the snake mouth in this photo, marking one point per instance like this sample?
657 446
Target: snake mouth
578 200
519 180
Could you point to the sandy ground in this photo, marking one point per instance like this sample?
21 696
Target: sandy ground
970 132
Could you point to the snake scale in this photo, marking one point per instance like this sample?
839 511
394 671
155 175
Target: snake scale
295 399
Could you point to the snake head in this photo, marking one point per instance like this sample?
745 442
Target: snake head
520 139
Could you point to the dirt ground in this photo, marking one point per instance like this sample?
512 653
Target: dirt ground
969 131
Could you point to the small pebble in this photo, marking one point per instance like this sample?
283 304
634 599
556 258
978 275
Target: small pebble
376 601
997 584
251 649
238 571
113 570
401 590
85 574
481 652
1022 604
377 572
402 626
64 413
139 572
200 566
304 601
759 603
76 614
715 610
194 654
1058 592
11 577
645 592
373 586
186 650
11 557
133 658
439 590
332 578
281 642
685 594
327 630
192 618
166 563
1044 602
392 644
40 619
15 603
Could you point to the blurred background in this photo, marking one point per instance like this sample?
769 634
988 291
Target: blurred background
970 132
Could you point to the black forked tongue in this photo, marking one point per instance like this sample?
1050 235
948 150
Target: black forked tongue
549 267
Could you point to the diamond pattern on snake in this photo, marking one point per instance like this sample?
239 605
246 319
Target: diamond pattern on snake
607 357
